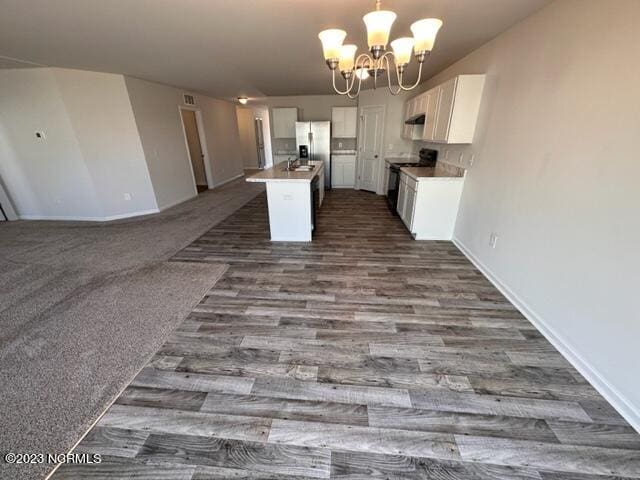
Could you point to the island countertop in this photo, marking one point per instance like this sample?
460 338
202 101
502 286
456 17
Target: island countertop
279 173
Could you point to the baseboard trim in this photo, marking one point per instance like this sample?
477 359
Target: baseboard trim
224 182
177 202
593 376
88 219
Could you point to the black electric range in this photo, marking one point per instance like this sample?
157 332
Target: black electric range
427 158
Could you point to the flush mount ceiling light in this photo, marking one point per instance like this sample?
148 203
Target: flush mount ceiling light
243 100
378 61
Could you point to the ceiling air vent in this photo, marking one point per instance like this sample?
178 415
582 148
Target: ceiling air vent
188 99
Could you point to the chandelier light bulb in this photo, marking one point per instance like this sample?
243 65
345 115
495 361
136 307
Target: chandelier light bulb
424 34
243 100
402 50
379 27
362 73
331 43
347 57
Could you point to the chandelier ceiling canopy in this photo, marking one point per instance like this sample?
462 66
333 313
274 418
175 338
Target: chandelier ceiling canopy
378 61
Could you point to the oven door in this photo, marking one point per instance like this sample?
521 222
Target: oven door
392 189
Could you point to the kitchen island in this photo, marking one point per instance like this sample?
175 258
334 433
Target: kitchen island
291 200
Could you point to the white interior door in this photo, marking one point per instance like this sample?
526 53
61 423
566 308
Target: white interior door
370 152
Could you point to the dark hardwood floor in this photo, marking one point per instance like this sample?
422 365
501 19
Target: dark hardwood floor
363 355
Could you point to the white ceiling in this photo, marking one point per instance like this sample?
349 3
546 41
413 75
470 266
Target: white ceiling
228 48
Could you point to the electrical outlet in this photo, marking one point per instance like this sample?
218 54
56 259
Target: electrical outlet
339 144
446 154
127 196
493 240
461 158
286 145
472 159
390 147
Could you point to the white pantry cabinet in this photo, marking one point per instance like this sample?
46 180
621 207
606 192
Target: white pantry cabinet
344 122
429 206
343 171
450 109
284 122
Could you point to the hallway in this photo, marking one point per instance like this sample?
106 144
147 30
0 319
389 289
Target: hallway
363 354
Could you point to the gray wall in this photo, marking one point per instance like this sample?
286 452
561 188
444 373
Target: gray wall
556 178
90 156
157 116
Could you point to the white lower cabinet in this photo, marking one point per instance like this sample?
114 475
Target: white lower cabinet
343 171
429 206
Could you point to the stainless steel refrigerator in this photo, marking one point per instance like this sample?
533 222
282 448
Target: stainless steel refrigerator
316 136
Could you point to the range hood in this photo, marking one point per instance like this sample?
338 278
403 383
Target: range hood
417 120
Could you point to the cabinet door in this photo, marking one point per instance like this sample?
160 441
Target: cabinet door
337 122
422 104
350 122
409 207
349 173
402 192
337 173
445 108
430 114
284 122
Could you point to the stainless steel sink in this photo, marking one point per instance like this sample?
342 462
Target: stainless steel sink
299 168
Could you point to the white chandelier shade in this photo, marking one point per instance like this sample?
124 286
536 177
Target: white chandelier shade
378 27
378 60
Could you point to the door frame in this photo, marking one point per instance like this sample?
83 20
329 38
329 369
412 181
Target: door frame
203 146
361 138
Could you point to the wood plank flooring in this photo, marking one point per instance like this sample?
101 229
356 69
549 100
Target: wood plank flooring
363 355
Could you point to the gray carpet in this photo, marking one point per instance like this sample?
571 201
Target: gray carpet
83 306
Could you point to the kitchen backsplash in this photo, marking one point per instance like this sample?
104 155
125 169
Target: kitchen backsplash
283 144
449 169
343 144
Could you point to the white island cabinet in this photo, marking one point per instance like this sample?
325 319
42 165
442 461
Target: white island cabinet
290 200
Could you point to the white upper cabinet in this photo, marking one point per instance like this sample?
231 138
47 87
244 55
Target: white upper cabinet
450 109
284 122
344 122
431 111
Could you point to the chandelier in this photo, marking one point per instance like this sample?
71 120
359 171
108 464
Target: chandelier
378 61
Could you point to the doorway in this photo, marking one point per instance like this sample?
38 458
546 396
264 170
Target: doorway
370 150
259 128
191 124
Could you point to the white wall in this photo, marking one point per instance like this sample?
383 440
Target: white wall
44 178
100 113
90 155
556 178
157 116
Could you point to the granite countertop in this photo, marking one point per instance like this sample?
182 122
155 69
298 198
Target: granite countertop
279 173
430 173
412 159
